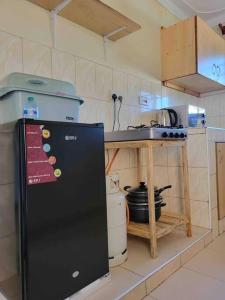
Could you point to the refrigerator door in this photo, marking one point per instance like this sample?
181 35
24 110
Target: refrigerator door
63 208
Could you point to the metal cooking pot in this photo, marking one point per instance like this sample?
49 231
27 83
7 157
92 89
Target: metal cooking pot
140 213
138 202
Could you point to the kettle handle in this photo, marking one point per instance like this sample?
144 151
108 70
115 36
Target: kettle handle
174 113
127 187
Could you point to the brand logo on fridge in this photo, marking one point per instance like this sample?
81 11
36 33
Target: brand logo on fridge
70 137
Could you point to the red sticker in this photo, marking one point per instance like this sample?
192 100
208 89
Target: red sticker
39 170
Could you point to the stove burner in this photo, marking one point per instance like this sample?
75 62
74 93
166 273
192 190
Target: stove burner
154 126
143 132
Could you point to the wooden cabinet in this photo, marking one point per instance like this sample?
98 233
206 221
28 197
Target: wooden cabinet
193 57
220 161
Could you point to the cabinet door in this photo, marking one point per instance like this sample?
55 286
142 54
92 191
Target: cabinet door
220 53
220 153
178 50
211 53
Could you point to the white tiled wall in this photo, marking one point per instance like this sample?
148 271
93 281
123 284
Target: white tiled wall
63 66
37 59
10 54
95 82
215 109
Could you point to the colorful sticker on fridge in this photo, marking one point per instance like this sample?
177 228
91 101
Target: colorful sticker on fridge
46 147
52 160
46 133
38 168
58 173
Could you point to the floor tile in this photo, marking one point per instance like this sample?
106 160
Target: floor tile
218 245
136 294
10 287
121 281
186 284
208 263
208 238
139 259
157 278
192 251
149 298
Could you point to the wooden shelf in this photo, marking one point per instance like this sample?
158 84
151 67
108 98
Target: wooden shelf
165 225
194 84
168 222
93 15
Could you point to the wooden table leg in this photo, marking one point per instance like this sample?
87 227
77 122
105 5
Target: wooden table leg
187 208
151 202
138 165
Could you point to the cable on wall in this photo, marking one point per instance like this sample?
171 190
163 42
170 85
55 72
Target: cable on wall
116 112
120 98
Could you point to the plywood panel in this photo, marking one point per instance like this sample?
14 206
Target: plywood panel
98 17
195 83
47 4
178 50
220 153
93 15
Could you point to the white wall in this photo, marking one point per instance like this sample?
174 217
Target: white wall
133 65
138 52
215 109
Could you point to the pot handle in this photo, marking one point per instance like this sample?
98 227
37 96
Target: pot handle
127 187
159 191
163 204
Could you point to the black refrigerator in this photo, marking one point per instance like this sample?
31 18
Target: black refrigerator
61 208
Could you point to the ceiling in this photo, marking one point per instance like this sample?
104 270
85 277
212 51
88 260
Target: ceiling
212 11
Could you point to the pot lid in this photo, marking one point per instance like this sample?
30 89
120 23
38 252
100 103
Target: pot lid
138 192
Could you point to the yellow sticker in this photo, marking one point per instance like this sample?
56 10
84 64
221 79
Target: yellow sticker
46 133
57 173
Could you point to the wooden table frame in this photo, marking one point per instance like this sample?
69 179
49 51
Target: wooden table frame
154 229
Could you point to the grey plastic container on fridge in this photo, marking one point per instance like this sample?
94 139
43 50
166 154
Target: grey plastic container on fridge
56 99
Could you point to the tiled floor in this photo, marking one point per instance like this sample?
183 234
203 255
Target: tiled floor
140 265
203 277
173 251
139 260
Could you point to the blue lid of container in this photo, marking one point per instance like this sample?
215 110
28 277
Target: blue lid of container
37 84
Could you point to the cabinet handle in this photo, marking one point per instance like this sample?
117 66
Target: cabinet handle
218 71
214 69
222 70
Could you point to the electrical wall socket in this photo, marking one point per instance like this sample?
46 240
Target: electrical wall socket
118 93
145 99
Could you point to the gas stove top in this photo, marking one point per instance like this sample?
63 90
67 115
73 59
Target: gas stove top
146 133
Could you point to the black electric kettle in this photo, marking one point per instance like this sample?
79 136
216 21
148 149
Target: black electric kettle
167 117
